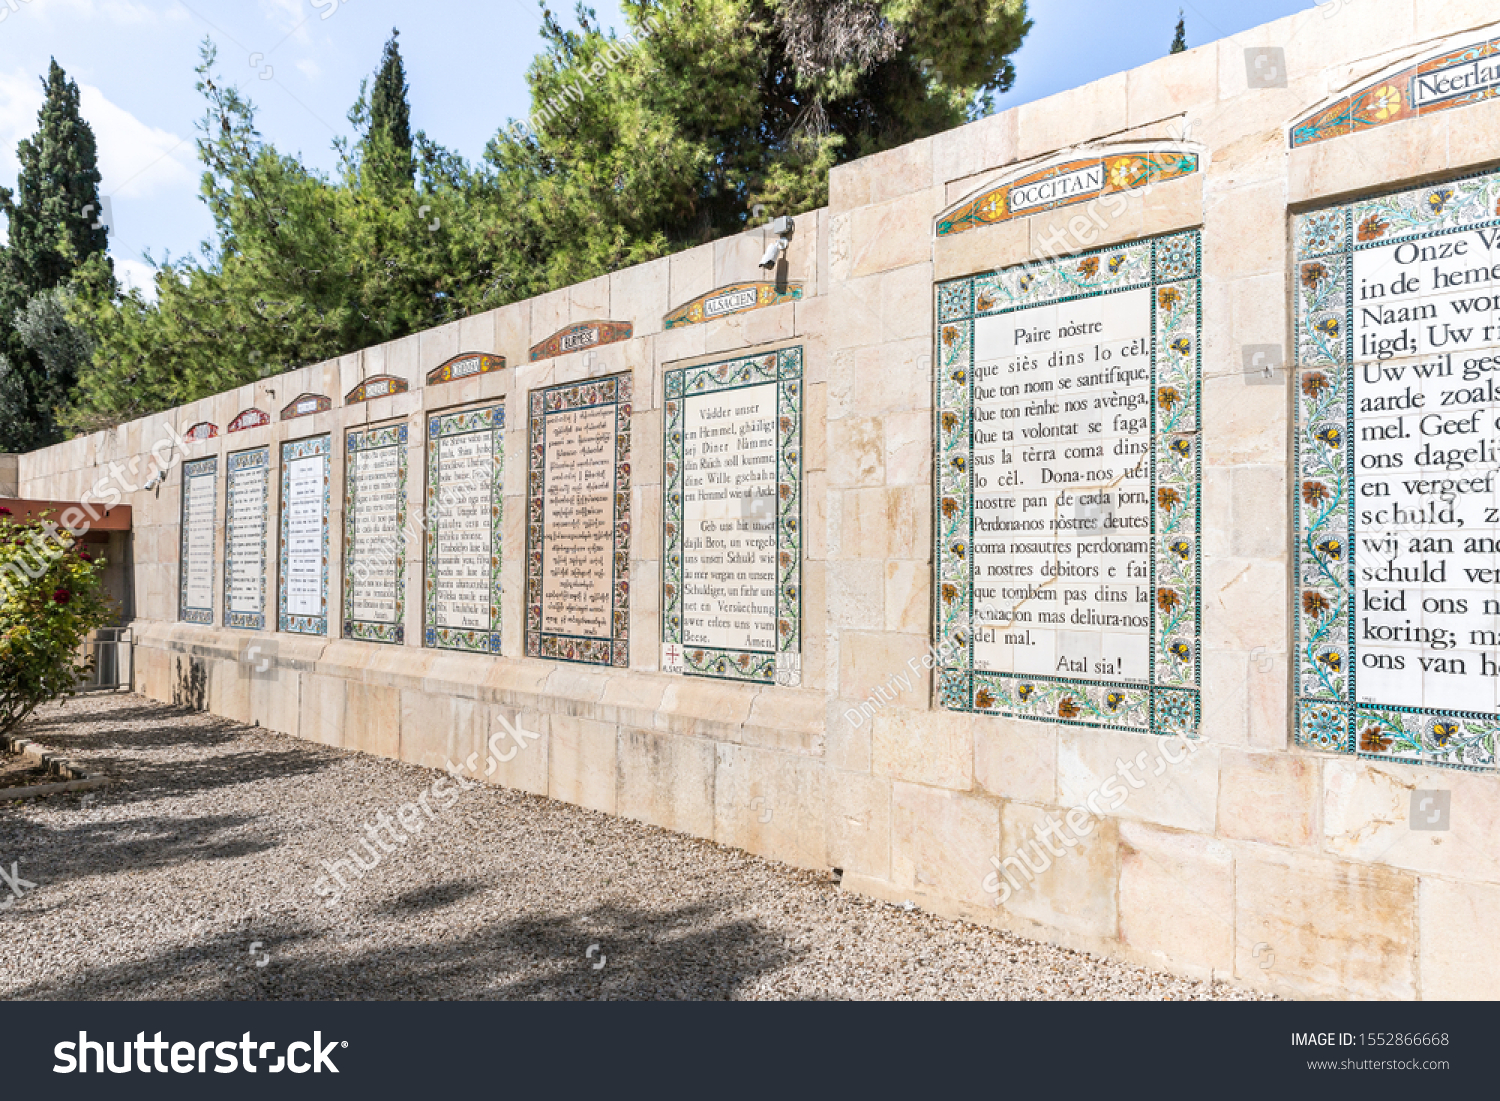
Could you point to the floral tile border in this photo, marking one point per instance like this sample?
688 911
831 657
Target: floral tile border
1169 703
1095 176
612 390
782 369
196 469
257 458
374 439
291 451
1399 95
474 421
1328 715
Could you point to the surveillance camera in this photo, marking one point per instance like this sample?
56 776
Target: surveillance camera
155 480
782 227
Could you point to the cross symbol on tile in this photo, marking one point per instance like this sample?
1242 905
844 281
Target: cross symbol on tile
672 654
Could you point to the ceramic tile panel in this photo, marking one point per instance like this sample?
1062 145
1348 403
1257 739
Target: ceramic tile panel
375 534
731 603
465 530
302 590
196 561
247 508
1397 551
1066 511
578 522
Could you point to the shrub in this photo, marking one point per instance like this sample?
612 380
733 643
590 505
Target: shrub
51 599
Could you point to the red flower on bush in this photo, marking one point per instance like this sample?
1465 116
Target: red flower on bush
62 596
5 511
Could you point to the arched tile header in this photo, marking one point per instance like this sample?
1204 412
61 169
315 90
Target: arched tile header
1064 183
465 365
732 299
249 418
376 386
305 405
203 430
1453 78
586 334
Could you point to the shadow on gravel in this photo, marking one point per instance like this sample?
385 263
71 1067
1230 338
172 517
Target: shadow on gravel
689 952
138 844
147 725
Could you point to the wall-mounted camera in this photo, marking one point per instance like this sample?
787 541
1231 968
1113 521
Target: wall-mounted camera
783 228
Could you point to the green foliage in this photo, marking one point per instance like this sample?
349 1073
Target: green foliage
637 146
388 143
51 599
52 215
1179 40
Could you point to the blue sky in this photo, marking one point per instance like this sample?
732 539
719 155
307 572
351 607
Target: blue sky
301 62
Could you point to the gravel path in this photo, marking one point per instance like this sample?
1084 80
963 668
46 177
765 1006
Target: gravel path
194 880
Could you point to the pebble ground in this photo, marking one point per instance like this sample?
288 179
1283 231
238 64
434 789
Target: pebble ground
193 878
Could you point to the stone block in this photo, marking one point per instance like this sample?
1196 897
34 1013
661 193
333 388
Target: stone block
886 522
1076 115
1269 797
667 780
1071 886
639 295
893 234
322 717
859 824
985 248
372 720
582 762
1177 897
923 747
1324 928
908 595
769 803
1155 788
1016 762
961 153
590 301
1367 816
1171 85
880 668
942 842
1457 922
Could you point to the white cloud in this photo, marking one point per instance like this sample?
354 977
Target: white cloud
20 100
138 275
136 160
309 68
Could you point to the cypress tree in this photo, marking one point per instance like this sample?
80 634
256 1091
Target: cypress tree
389 146
55 226
1179 40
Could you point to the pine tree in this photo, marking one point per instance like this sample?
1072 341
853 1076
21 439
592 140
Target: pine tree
388 146
55 226
1179 40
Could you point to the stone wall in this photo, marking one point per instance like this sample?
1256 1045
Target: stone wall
1249 857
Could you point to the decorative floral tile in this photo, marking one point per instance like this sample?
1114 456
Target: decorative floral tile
389 437
782 370
614 392
486 427
1167 702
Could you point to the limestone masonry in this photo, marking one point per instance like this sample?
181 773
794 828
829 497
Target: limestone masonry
1090 529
